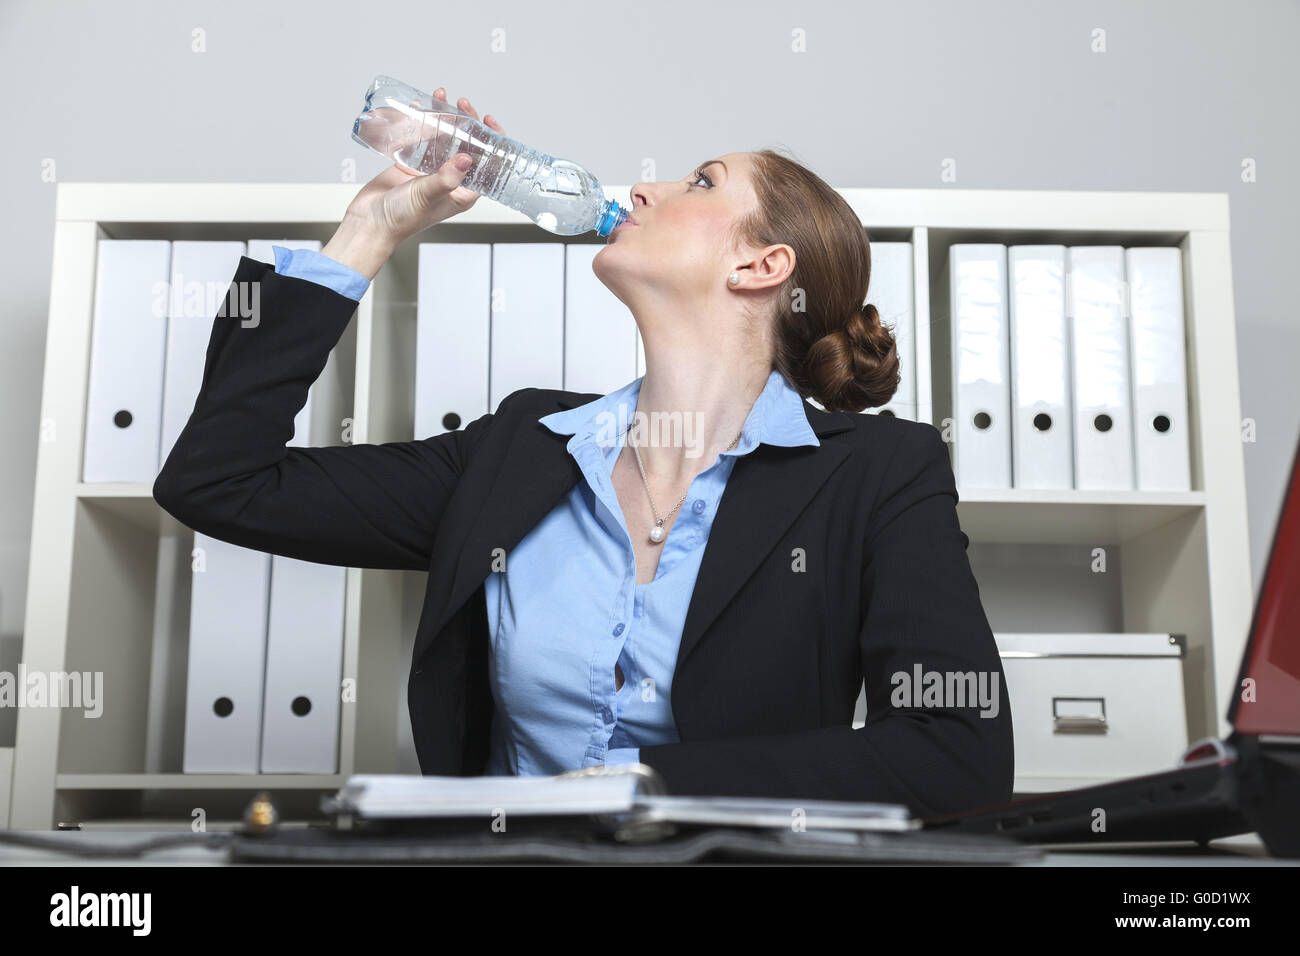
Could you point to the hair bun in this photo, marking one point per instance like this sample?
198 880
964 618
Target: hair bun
855 366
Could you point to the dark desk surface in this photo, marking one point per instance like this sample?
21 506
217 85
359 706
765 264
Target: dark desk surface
1246 850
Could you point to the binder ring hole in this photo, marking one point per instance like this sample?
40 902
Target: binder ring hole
451 421
223 707
1042 421
1161 423
982 420
122 419
1103 422
301 706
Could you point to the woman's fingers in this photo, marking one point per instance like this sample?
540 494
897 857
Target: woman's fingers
465 106
461 193
489 120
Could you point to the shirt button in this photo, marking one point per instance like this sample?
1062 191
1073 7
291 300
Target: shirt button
698 506
609 714
618 629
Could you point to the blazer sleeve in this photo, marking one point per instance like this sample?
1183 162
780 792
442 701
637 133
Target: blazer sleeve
232 475
921 608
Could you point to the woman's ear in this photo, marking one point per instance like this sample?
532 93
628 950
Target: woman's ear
770 267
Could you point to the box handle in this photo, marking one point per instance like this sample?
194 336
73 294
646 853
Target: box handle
1079 715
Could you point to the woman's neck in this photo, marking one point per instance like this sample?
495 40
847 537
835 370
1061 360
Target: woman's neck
693 403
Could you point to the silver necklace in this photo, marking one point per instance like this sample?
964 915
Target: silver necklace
657 533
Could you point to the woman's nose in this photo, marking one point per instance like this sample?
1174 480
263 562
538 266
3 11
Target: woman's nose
647 194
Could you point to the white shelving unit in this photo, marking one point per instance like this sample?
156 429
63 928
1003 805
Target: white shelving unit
93 599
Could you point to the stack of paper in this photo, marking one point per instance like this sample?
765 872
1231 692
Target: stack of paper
395 796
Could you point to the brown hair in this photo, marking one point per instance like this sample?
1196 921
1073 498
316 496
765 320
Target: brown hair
828 344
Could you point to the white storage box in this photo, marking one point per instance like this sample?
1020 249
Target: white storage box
1087 708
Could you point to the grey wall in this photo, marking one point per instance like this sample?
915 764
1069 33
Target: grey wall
111 91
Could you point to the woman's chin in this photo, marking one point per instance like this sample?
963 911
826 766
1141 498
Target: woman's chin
603 262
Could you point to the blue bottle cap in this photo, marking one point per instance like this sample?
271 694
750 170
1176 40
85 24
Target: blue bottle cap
610 218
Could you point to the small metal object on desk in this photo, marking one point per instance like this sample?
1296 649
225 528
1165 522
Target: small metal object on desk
261 817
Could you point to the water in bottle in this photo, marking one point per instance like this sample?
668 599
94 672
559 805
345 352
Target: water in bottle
421 133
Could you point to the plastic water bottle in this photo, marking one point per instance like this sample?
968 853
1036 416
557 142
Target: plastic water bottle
421 133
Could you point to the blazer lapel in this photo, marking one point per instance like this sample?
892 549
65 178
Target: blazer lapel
536 472
767 489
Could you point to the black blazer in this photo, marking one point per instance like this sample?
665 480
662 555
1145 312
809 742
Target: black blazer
824 566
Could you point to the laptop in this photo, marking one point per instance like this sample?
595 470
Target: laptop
1249 782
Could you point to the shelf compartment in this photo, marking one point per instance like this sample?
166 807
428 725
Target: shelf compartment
1027 515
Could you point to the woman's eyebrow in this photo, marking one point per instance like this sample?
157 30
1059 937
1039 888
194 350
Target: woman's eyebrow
710 162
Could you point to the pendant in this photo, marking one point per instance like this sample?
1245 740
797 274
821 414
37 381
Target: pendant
657 533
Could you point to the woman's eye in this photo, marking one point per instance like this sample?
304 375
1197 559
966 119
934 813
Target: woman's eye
703 176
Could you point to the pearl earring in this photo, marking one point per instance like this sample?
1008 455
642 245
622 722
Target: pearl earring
734 278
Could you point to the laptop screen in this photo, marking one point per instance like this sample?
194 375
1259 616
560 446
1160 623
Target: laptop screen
1267 696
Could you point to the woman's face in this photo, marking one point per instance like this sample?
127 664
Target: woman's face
676 249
